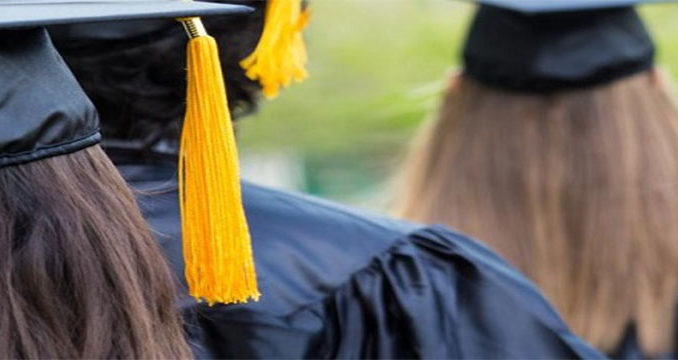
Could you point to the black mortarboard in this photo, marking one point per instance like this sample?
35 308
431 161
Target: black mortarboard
548 45
279 58
25 13
44 112
544 6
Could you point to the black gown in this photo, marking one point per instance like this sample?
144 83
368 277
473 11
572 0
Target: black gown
338 283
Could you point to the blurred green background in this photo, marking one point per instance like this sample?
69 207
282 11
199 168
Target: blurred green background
377 70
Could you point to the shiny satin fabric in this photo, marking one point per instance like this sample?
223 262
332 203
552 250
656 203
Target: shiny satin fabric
338 283
43 110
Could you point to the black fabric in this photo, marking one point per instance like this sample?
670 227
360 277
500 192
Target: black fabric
537 6
31 13
43 110
549 52
337 283
629 347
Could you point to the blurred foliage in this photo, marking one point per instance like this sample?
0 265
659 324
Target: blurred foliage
662 20
377 69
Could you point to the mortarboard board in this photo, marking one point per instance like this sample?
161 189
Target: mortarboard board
26 13
548 45
43 112
279 58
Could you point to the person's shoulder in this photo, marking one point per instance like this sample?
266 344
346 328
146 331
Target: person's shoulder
302 206
311 244
294 235
308 210
342 283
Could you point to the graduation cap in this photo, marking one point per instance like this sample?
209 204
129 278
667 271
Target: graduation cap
543 46
44 112
543 6
279 58
27 13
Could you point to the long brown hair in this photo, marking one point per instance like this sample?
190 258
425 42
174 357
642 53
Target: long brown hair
80 274
578 189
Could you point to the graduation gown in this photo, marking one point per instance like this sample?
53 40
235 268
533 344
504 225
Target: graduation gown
339 283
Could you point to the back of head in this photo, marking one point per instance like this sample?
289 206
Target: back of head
576 185
141 93
80 274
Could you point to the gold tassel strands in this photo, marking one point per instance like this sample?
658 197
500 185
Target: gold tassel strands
218 257
280 56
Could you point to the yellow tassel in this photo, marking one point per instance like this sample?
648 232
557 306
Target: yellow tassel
218 257
280 56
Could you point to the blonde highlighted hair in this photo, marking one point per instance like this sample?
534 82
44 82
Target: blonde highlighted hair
578 189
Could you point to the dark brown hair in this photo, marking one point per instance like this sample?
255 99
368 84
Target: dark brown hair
138 83
80 274
578 189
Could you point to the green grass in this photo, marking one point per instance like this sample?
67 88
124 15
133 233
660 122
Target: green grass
377 69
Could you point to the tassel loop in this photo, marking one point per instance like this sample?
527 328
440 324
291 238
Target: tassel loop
194 27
